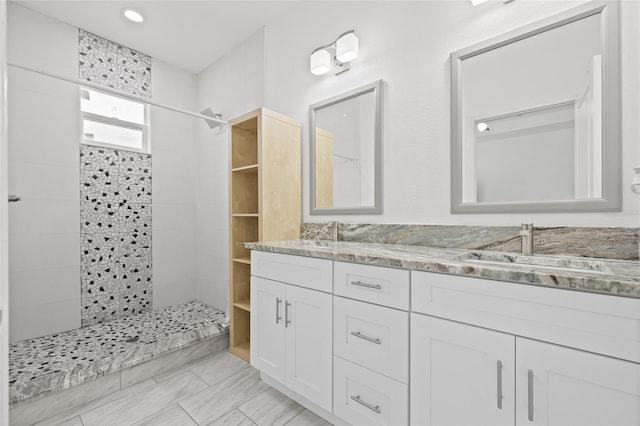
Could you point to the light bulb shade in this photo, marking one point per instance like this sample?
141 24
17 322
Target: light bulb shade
320 62
347 47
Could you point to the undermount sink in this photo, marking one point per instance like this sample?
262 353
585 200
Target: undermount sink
561 263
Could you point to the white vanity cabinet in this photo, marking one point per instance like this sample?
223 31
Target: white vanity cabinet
460 374
562 386
370 345
291 328
464 374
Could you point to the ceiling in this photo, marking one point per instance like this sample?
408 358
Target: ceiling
187 34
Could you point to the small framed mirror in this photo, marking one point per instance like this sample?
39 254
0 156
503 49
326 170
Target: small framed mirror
345 152
536 117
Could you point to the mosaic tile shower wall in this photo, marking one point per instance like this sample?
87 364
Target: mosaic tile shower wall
113 65
115 204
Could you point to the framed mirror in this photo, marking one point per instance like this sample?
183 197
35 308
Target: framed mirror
536 117
345 152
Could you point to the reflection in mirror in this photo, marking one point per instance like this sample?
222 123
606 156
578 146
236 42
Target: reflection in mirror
345 148
530 131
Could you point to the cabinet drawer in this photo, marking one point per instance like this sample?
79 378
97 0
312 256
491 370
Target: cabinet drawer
372 336
362 397
375 284
316 274
597 323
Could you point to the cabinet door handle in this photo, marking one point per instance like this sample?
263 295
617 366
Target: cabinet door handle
278 317
499 385
530 394
357 399
286 314
367 338
367 285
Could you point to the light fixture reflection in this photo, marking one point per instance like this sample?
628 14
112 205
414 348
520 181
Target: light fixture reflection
483 127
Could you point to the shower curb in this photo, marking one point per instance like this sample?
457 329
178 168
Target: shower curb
54 403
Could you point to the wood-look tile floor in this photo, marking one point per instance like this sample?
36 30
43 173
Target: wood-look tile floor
217 390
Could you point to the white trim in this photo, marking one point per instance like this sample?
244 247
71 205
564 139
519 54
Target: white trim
4 245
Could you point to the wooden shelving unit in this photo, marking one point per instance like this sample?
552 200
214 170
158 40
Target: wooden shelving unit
265 203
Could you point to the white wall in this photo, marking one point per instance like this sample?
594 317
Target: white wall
173 187
4 247
408 45
233 86
44 228
44 135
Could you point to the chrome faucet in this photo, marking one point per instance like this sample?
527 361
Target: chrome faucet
526 237
334 231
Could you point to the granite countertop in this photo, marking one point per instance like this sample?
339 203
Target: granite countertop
612 277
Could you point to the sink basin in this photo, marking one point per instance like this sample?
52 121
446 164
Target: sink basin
561 263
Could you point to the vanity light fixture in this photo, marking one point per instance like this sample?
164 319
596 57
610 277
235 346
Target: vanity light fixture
339 53
132 15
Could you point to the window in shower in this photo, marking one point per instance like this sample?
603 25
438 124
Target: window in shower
113 122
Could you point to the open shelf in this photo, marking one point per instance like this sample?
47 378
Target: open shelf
242 350
244 304
244 143
251 168
244 193
264 203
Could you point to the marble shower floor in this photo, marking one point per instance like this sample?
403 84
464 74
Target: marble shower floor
219 389
60 361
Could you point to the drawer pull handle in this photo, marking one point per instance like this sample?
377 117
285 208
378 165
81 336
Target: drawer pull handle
278 317
287 321
367 285
367 338
499 385
530 394
357 399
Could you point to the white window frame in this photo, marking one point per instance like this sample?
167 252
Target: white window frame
145 149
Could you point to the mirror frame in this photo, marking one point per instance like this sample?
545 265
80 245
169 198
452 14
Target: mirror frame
376 89
611 110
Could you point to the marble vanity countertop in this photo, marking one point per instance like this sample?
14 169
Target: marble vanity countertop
612 277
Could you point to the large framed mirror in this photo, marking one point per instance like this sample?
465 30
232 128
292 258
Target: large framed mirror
536 117
345 152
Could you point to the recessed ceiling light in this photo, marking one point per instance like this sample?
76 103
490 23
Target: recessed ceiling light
132 15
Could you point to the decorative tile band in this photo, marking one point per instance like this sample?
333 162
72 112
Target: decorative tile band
609 243
115 214
113 65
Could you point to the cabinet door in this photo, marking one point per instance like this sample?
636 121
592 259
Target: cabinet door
308 318
267 327
562 386
460 374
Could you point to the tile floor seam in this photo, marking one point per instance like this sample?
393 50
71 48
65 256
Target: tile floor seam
145 389
185 411
249 400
